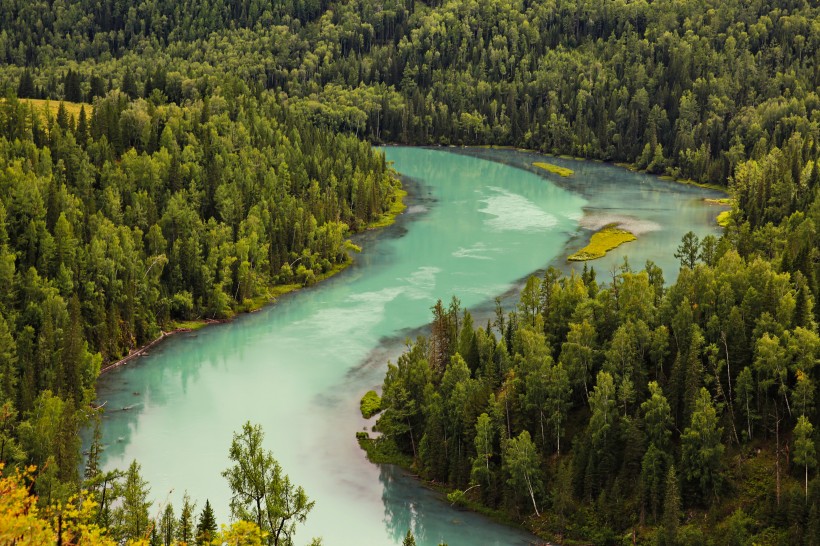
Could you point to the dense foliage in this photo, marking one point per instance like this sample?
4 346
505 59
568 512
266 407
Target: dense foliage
597 410
123 513
208 164
114 224
122 216
692 88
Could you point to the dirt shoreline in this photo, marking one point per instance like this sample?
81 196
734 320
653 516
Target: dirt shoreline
141 351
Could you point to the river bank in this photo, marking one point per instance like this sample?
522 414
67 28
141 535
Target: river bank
628 166
273 292
474 229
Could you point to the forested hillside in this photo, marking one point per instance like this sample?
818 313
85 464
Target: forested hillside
116 225
213 149
690 88
121 217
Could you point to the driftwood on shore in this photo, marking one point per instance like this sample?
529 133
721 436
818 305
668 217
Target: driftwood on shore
136 353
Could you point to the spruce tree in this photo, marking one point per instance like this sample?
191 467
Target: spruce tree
206 528
409 539
185 525
25 89
671 510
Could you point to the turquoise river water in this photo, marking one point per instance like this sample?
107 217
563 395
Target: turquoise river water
474 228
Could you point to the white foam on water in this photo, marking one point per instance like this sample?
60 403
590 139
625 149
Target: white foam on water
513 212
636 226
364 311
420 284
478 251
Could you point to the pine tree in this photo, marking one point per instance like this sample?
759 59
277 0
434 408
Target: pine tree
671 510
688 250
71 87
129 86
82 127
25 89
409 539
206 528
131 517
167 526
701 448
185 525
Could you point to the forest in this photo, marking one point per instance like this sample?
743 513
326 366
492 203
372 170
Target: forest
204 154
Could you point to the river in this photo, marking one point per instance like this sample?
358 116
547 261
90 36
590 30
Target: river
474 228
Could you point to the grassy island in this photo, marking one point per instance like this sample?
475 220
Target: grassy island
601 242
370 404
555 169
723 218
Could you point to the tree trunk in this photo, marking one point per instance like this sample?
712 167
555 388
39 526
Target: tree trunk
558 437
532 496
412 441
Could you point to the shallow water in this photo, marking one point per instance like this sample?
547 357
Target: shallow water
474 228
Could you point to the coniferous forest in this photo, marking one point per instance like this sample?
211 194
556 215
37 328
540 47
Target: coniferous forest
165 162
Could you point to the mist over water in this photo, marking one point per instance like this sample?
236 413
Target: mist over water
474 228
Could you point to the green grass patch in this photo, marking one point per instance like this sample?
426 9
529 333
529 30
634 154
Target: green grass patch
497 147
383 450
370 404
727 201
71 108
724 217
601 242
627 166
690 182
396 208
188 324
555 169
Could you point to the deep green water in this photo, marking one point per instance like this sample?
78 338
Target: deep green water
474 228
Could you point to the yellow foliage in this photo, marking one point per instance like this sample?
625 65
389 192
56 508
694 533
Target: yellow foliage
23 524
723 218
19 521
555 169
240 533
71 108
602 241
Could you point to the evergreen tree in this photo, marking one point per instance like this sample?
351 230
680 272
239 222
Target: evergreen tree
168 526
131 519
688 250
129 86
671 510
409 539
701 448
185 525
206 527
25 89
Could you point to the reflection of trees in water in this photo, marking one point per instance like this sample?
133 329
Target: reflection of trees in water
400 509
408 505
145 382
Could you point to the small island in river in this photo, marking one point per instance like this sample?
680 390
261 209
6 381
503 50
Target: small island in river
601 242
555 169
